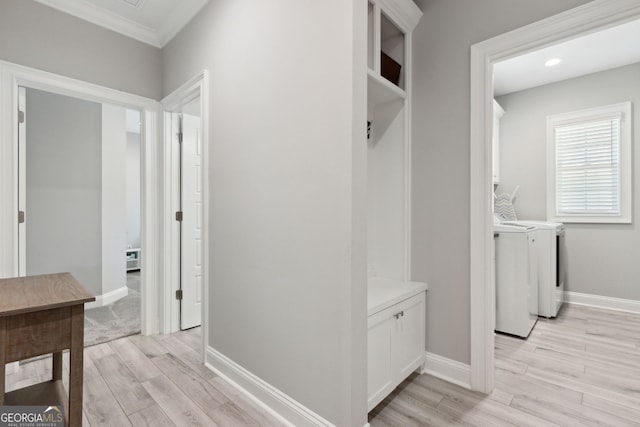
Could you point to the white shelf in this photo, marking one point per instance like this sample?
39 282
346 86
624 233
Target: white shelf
383 292
381 90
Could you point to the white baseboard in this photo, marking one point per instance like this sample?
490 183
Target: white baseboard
447 369
600 301
108 298
268 397
11 368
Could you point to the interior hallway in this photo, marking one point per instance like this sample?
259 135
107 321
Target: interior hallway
152 381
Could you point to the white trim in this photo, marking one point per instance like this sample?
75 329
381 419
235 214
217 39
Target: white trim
291 412
593 16
152 282
447 369
403 13
12 76
108 298
599 301
197 86
158 37
408 117
12 368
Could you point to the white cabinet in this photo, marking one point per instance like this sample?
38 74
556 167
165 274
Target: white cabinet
133 259
380 378
396 335
498 112
396 323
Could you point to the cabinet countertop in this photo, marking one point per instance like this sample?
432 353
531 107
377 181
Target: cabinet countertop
383 293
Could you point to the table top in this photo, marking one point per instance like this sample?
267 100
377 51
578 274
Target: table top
35 293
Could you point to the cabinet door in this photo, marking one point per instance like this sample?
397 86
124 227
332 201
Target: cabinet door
379 357
407 336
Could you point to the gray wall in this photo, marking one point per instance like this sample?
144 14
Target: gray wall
288 284
133 189
38 36
602 258
63 197
440 157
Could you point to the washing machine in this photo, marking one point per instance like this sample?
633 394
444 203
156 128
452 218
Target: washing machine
516 271
551 264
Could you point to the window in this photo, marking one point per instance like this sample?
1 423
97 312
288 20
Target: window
589 165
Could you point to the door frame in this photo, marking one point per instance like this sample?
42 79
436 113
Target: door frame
591 17
197 86
11 77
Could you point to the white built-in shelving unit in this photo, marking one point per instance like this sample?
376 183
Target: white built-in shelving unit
396 305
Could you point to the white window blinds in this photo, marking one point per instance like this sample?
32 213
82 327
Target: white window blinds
588 167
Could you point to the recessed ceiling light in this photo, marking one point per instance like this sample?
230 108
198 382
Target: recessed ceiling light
552 62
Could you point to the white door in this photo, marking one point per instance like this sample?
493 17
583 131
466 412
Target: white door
22 181
191 226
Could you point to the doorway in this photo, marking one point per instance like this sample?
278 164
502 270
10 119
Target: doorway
187 123
186 249
571 24
79 161
12 77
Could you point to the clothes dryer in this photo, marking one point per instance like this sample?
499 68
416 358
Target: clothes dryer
516 272
551 264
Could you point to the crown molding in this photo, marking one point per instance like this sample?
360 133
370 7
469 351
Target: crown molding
405 13
158 37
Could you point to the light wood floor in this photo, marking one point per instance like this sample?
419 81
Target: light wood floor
152 381
580 369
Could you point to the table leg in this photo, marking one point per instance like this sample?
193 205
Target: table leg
57 366
3 343
76 352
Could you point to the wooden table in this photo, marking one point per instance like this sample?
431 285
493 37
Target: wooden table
40 315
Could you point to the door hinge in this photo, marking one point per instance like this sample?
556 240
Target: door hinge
179 294
20 116
20 217
179 216
180 137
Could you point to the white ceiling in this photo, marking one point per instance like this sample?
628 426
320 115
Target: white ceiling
154 22
610 48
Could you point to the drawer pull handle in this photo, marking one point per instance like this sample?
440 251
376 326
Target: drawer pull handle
399 314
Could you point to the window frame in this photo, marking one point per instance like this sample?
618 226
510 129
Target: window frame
623 111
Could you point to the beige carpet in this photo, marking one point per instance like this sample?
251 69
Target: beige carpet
120 319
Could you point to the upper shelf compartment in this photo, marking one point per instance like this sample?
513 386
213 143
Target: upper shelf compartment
390 23
392 52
